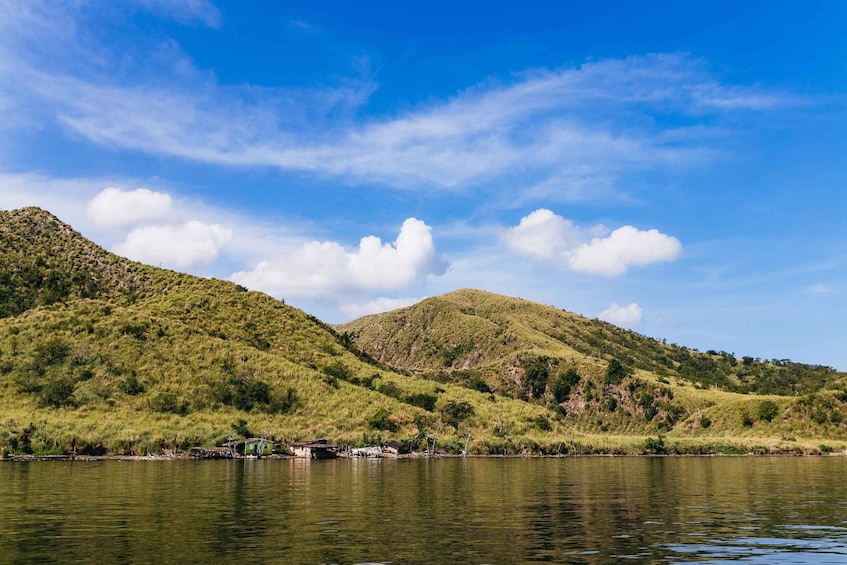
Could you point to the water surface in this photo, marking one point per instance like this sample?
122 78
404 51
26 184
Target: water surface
576 510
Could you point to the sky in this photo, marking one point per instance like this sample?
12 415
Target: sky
675 168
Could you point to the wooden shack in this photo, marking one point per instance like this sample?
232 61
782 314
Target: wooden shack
250 447
395 448
314 449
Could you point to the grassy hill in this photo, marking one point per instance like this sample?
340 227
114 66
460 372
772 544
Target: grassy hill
597 377
99 354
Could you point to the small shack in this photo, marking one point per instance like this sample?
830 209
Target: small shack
251 447
314 449
395 448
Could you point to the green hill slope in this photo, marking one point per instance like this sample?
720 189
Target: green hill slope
602 378
103 355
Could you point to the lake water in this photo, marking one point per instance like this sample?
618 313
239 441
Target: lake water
572 510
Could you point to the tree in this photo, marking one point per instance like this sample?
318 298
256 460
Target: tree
615 373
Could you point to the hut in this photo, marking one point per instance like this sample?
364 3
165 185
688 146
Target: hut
314 449
395 448
250 447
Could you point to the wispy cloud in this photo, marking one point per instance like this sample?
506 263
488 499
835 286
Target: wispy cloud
568 133
188 12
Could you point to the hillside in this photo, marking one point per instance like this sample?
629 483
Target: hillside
470 332
600 377
99 354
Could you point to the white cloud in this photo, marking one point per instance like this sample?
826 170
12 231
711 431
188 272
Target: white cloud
628 316
185 11
115 207
377 306
326 269
549 237
623 248
177 247
542 129
820 289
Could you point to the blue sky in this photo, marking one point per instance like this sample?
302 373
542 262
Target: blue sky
677 168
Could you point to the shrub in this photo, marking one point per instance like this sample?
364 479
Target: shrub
454 412
390 389
57 393
240 428
768 409
285 401
249 394
561 387
477 383
339 370
131 386
542 423
422 400
167 402
705 422
381 420
615 373
655 446
50 352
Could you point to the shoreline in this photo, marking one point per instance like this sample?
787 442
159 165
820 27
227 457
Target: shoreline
186 457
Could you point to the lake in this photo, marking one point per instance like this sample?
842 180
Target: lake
475 510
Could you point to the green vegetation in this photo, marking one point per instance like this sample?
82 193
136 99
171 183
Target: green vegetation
103 355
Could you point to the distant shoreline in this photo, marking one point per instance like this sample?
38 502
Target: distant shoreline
186 457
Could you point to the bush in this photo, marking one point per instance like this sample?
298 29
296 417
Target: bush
768 409
284 401
655 446
249 394
131 386
390 389
339 370
240 428
746 420
455 412
615 373
705 422
542 423
561 387
381 420
422 400
167 402
477 383
57 393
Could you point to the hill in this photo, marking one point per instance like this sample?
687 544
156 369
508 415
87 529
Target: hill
601 377
99 354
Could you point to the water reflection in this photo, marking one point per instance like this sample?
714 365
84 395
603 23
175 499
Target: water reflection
581 510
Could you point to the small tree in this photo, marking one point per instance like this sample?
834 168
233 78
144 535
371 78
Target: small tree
768 409
615 373
454 412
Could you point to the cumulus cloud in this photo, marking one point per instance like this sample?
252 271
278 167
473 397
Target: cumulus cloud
628 316
178 246
546 236
377 306
116 207
326 269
